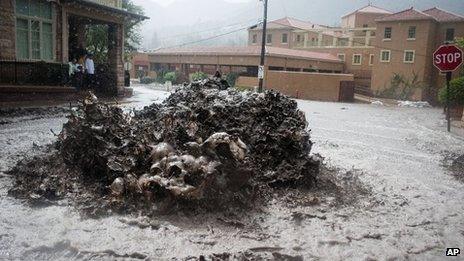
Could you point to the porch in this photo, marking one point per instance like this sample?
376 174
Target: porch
40 37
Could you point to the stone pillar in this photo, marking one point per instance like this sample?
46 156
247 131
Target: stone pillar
7 30
306 39
115 54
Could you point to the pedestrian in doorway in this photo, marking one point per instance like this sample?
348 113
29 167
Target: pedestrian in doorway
89 71
72 72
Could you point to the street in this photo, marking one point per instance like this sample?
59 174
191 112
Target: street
412 208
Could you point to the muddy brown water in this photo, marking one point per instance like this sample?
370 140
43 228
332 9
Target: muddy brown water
414 209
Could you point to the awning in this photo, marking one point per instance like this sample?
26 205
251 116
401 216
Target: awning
109 9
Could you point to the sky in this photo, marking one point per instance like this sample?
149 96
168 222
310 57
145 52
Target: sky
167 2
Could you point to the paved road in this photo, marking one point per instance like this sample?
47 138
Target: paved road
414 209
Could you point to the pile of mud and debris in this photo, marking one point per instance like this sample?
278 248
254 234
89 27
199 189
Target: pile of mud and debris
202 145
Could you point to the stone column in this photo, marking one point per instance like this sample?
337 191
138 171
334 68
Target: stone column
7 30
115 54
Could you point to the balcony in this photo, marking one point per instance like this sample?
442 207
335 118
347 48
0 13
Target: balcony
109 3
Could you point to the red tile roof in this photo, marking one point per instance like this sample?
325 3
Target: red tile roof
369 9
248 51
443 16
406 15
293 23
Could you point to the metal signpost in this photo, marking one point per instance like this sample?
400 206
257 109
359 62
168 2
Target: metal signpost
447 58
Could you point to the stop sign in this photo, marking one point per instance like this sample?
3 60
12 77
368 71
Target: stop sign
447 58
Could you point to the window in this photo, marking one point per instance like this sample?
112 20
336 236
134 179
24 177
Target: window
449 35
255 38
341 56
269 38
387 33
34 30
284 38
371 59
412 32
357 59
409 56
385 56
365 26
298 38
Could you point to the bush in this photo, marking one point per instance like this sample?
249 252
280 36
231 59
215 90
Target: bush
198 76
231 78
401 88
147 80
171 77
456 92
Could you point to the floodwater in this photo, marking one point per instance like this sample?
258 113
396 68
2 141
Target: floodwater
414 209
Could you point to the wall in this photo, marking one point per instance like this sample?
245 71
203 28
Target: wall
7 30
423 46
309 86
276 38
244 81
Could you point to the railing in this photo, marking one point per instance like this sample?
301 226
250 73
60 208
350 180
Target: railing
33 73
110 3
337 37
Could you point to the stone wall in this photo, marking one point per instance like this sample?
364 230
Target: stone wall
115 53
7 30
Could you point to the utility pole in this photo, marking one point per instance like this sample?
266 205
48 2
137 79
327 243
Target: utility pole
263 49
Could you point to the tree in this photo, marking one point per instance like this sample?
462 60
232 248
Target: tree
97 35
132 37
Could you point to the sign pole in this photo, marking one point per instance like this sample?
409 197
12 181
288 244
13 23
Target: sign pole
448 106
263 50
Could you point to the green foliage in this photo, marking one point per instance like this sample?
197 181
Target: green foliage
171 77
132 37
147 80
401 88
231 78
456 93
97 35
198 76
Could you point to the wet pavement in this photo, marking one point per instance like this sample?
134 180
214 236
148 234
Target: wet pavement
413 211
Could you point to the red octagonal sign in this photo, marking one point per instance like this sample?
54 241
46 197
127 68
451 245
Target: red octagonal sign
447 58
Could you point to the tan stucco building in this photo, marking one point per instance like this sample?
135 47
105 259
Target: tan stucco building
362 43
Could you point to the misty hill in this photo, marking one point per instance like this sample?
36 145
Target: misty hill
186 21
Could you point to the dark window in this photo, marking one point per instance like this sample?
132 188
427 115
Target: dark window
293 70
255 38
388 33
412 32
365 25
284 38
275 68
309 70
298 38
449 35
269 38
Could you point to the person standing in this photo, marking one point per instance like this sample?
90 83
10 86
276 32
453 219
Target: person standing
89 71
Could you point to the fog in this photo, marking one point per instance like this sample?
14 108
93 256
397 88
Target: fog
177 22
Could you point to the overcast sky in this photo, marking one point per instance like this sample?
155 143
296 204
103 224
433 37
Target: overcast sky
166 2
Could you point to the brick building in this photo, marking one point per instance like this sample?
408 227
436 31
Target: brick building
37 38
375 44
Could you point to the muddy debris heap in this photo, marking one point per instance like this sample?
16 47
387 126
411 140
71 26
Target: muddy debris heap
202 144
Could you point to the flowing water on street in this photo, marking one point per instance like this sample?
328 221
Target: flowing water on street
413 209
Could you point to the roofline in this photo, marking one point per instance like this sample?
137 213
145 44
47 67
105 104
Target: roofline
429 17
112 9
357 10
446 11
245 54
